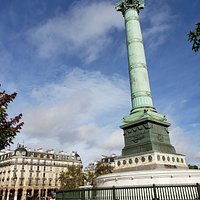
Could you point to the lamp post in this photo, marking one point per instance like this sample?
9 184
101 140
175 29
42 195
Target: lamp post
43 196
43 180
15 181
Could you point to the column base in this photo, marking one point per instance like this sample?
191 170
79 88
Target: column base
149 177
147 134
150 161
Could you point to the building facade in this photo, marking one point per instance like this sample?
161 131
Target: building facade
109 159
32 174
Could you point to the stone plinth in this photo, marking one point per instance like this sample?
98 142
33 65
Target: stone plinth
149 177
146 134
151 160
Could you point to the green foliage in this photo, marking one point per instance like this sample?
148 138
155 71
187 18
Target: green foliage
8 127
90 178
193 166
100 169
194 38
72 178
103 168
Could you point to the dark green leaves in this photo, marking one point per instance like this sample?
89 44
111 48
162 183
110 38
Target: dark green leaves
8 127
194 38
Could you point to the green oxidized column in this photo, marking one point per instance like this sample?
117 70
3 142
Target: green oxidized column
139 81
145 130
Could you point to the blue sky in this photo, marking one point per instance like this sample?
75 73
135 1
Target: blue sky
67 61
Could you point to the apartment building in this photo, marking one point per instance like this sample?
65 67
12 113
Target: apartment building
32 174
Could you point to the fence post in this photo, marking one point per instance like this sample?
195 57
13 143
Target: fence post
82 194
198 190
155 193
93 195
113 191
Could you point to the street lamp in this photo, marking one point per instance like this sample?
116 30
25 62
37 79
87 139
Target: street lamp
15 180
43 195
43 180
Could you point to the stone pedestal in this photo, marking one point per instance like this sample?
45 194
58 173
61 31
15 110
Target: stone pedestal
149 177
146 134
150 161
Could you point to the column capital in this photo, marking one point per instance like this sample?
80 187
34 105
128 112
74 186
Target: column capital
124 5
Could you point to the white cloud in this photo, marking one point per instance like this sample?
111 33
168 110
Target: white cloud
81 111
6 60
115 140
179 140
84 30
158 21
185 141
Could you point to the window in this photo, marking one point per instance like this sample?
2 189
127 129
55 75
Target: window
21 182
22 174
50 182
29 183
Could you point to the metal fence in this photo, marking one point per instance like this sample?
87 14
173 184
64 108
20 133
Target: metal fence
178 192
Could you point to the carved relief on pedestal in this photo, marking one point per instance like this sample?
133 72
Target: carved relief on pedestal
137 134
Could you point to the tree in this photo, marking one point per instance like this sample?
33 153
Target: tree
194 38
90 178
100 169
193 166
103 168
72 178
8 127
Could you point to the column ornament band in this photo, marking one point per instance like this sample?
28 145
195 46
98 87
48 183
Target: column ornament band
124 5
